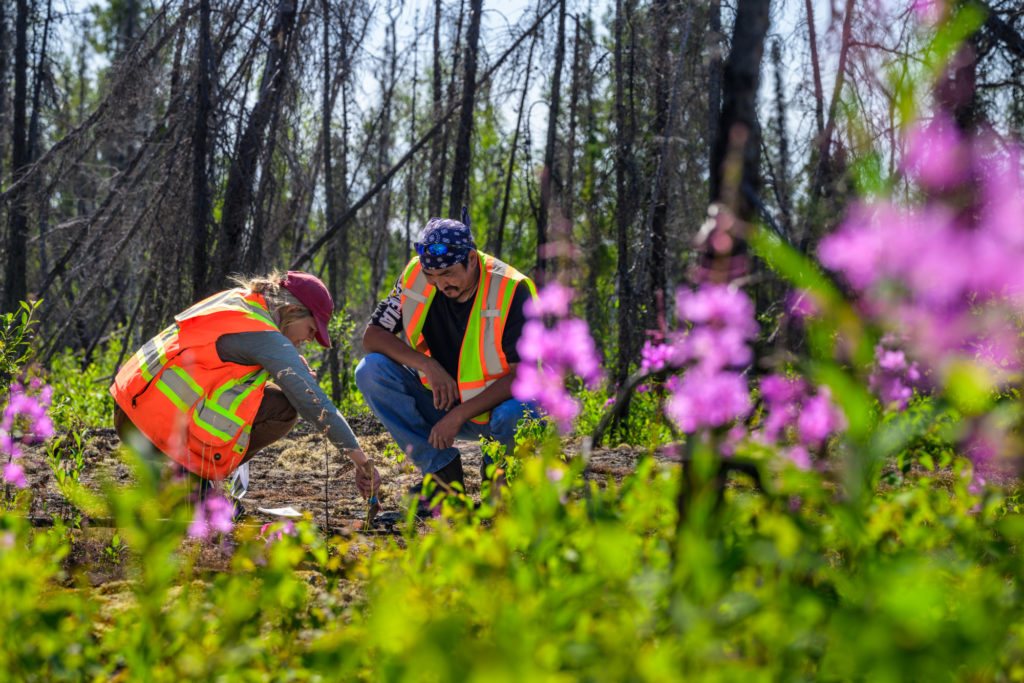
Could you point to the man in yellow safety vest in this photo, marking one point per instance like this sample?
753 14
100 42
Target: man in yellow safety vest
441 367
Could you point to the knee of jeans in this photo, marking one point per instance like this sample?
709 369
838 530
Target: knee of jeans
504 420
369 369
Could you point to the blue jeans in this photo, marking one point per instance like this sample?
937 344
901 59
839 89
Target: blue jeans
400 401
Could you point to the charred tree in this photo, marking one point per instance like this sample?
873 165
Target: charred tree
499 233
715 66
661 125
238 190
15 273
819 91
200 153
781 183
550 179
436 190
3 91
625 185
33 128
735 176
463 141
827 167
569 194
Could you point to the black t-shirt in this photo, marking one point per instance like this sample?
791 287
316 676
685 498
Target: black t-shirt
446 321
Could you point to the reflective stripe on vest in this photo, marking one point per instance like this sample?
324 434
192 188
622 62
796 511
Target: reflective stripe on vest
151 357
230 300
416 287
177 390
481 359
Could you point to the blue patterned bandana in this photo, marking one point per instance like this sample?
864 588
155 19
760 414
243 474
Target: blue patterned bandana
444 242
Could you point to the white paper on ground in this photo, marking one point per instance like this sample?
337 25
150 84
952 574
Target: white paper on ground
281 512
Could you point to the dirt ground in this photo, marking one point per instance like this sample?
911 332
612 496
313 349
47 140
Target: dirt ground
302 471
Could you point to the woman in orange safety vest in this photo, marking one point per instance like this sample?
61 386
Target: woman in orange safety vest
225 379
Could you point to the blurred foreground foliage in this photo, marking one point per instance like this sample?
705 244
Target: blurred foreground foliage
570 580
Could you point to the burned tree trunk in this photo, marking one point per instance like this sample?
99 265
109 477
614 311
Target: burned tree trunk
499 235
238 191
550 181
200 153
436 189
463 141
625 185
15 274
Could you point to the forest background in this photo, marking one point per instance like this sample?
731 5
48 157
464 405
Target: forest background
150 150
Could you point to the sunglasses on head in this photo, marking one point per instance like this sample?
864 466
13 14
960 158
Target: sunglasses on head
438 249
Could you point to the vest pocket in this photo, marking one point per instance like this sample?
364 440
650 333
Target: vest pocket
214 425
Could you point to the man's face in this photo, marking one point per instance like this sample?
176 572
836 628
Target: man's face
457 282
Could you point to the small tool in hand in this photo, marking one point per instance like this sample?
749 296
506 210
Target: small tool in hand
373 505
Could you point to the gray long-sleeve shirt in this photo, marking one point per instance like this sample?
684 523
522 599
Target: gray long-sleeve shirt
279 357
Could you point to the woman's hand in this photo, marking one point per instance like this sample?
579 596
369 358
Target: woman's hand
308 368
367 480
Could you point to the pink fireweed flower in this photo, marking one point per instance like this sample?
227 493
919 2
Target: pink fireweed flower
799 456
9 445
936 154
14 474
802 304
700 400
553 347
918 267
31 412
819 419
781 396
213 515
547 388
893 378
711 392
271 532
945 272
655 357
719 306
793 411
928 11
552 300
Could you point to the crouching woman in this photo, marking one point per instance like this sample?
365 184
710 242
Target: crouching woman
225 379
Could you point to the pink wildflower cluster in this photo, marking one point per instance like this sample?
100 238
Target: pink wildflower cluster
712 392
796 412
554 346
272 532
894 377
213 515
945 271
25 411
919 267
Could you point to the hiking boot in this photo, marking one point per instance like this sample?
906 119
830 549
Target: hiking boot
449 474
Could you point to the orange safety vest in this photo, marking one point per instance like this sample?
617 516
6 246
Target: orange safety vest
179 393
481 359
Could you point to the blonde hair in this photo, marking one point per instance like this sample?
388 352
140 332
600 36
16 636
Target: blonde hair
283 305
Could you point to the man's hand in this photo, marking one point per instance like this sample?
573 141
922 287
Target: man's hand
446 389
444 432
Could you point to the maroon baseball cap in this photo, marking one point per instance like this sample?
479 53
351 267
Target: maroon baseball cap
313 294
